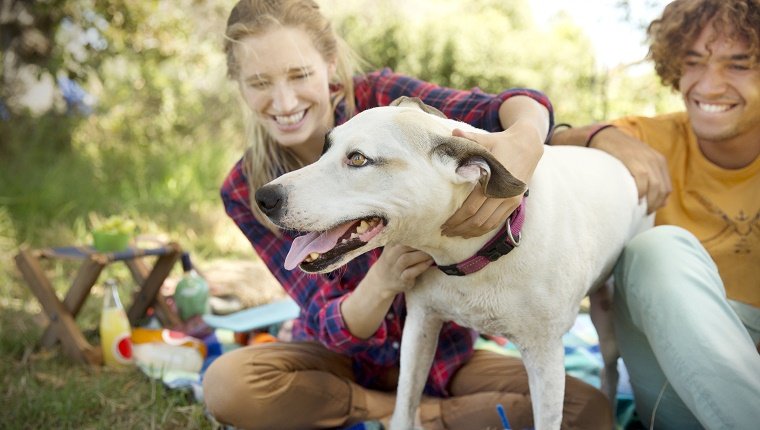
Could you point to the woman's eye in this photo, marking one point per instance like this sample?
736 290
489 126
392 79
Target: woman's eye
259 85
357 159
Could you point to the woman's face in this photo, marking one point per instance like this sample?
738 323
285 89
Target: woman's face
285 81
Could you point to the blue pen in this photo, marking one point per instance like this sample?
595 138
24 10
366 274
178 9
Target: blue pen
503 416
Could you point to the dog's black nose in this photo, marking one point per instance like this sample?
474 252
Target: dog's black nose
270 199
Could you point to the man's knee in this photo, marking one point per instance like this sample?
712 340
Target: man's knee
653 262
658 245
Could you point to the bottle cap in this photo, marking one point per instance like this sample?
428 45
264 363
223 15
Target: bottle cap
187 265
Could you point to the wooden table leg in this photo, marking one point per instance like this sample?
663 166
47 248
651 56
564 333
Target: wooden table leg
150 289
63 324
76 296
166 316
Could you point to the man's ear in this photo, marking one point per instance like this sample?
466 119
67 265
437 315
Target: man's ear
416 102
475 163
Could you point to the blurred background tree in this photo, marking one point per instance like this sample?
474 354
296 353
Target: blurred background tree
115 106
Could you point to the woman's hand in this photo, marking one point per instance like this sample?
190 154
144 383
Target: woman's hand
395 272
647 166
519 149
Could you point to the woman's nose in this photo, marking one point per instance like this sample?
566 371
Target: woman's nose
284 97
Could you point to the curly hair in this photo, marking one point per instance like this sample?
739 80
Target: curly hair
672 35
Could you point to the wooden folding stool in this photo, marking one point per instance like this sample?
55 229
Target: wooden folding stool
61 314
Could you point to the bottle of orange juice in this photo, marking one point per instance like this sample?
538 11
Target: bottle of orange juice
115 333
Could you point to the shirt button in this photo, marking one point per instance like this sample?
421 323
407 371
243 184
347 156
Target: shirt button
395 345
389 316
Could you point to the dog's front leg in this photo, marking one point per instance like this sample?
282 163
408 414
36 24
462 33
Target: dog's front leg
418 345
544 361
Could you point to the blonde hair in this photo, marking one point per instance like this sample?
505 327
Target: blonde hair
265 158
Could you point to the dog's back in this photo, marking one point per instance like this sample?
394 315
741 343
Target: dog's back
581 210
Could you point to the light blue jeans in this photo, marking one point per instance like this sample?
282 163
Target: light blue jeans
690 352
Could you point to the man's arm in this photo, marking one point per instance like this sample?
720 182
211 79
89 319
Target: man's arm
647 166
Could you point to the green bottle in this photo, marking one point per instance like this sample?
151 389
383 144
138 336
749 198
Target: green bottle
191 295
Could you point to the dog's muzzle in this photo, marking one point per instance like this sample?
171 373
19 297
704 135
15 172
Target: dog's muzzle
271 200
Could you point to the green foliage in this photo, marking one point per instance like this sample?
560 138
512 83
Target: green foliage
494 46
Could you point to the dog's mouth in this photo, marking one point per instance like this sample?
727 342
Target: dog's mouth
317 251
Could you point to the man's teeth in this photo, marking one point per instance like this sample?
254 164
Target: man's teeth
289 119
712 108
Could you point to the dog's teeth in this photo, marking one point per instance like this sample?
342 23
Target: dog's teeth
311 257
363 227
354 236
344 241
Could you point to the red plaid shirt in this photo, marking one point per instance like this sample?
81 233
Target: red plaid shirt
320 296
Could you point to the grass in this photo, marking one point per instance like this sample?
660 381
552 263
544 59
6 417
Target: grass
44 389
53 180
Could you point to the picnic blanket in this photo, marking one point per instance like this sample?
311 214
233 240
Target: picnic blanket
582 357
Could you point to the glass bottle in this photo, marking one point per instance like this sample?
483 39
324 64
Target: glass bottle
115 332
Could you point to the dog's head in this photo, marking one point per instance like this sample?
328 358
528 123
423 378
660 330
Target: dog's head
391 174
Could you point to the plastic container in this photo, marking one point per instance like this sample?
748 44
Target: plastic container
170 337
160 358
115 332
191 295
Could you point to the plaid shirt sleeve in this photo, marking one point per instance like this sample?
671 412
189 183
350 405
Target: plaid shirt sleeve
474 107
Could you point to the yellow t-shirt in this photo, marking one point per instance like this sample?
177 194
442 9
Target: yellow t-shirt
720 207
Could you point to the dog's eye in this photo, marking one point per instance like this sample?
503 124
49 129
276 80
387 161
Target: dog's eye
357 159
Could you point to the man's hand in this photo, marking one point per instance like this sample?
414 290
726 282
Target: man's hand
647 166
519 149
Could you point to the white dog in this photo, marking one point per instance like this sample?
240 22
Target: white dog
395 174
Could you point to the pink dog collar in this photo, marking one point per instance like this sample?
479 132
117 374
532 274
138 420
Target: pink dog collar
505 241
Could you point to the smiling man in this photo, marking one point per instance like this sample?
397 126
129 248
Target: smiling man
687 298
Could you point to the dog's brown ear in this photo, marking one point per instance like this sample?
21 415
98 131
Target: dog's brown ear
475 163
416 102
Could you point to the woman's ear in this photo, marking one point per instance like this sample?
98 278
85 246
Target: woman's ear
332 69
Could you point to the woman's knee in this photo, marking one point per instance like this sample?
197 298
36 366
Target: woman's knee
586 407
234 387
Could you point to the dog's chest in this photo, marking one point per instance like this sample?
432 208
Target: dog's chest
482 305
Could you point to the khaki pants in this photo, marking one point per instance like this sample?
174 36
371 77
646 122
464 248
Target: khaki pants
304 385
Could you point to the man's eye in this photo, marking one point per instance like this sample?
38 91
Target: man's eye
357 159
739 66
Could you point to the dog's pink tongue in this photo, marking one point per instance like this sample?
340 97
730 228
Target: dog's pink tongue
314 242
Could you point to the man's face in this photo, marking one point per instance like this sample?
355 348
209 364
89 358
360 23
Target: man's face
721 88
